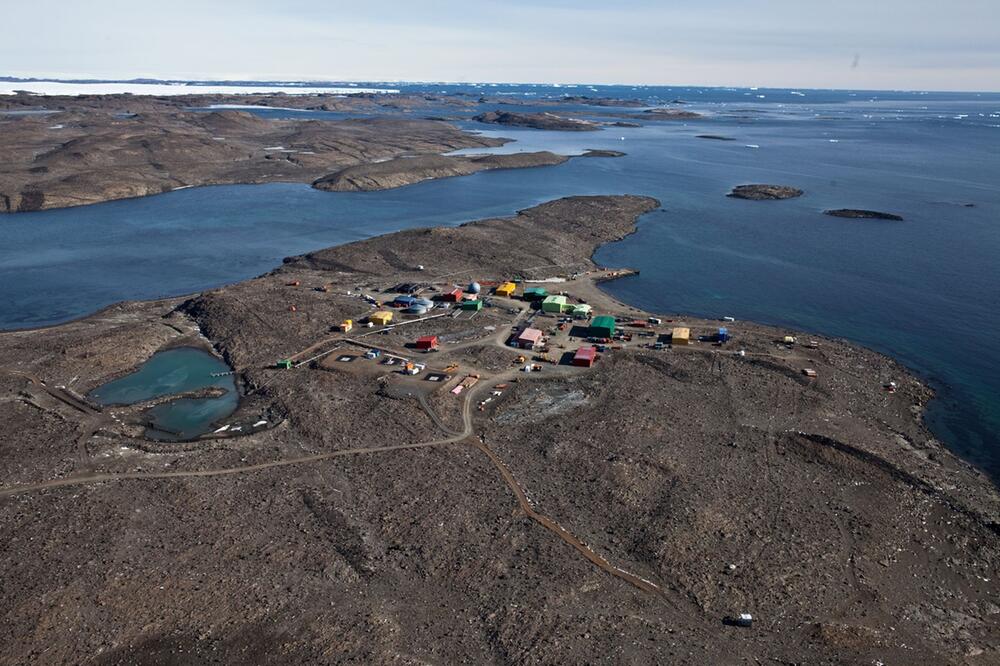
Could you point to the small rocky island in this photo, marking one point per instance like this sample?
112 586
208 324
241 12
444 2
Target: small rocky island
860 214
672 114
600 152
764 192
546 121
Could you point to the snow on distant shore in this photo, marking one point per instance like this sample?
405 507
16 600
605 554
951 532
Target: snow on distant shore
61 88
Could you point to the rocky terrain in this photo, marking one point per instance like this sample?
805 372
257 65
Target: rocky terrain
607 515
858 214
82 156
764 192
409 170
545 121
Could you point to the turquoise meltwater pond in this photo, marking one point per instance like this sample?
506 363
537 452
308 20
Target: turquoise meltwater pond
171 372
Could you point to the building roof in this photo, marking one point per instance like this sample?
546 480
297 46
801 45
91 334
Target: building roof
681 332
530 334
582 307
427 339
536 290
603 321
585 353
555 298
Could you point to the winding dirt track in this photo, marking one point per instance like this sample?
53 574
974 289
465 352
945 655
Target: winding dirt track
562 532
224 471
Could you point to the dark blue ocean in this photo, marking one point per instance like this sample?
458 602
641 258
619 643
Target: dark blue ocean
926 290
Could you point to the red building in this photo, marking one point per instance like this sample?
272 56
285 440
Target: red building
452 296
427 343
585 357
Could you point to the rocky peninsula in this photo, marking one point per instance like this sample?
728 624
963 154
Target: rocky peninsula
764 192
622 509
85 155
409 170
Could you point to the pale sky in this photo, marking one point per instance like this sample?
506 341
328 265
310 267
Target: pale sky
883 44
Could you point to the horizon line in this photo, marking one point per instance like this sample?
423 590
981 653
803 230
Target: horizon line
149 80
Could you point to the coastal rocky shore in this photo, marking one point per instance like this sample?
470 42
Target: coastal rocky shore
616 513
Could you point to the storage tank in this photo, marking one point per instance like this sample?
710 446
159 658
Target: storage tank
416 309
426 302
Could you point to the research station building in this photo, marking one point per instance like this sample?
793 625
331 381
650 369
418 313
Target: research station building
602 327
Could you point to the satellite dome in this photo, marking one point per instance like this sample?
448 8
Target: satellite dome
474 288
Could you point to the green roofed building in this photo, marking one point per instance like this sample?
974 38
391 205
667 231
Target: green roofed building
581 311
472 305
602 327
556 304
535 294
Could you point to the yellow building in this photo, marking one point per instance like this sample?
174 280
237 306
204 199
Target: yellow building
506 289
381 318
346 325
680 336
